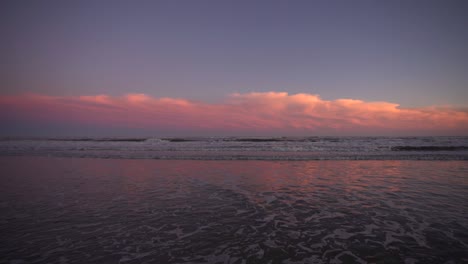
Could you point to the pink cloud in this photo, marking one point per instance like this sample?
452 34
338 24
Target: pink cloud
270 113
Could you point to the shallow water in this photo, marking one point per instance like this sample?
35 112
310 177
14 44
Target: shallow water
69 210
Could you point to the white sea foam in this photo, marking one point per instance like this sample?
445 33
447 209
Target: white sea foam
237 148
152 211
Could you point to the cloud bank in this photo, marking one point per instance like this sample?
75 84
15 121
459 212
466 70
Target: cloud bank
269 113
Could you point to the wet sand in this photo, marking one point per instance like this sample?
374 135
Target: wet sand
71 210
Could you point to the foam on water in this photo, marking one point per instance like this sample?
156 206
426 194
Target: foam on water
237 148
62 210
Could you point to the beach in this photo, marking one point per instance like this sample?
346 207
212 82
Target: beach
234 132
94 210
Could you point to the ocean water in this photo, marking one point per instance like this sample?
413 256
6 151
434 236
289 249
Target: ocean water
234 200
235 148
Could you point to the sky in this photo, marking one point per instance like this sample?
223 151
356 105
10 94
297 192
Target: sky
233 67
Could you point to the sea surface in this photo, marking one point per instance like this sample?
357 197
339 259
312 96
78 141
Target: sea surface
243 148
234 200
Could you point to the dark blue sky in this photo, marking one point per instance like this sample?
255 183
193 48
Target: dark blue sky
409 52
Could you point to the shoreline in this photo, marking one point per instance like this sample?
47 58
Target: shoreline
175 211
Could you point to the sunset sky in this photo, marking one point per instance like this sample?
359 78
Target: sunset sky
124 68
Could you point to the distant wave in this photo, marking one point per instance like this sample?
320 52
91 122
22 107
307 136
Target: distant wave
234 139
182 139
256 139
429 148
103 139
318 139
240 148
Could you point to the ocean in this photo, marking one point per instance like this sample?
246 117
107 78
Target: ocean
234 200
243 148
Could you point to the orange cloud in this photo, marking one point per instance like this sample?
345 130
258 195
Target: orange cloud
271 113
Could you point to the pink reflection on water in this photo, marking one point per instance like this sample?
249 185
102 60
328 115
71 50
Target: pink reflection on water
132 177
186 206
